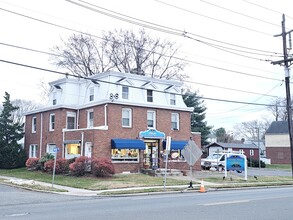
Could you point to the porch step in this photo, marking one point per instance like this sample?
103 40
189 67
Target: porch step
170 172
161 172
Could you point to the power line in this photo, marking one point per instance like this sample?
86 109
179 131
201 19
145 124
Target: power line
222 87
215 19
239 13
227 49
261 6
189 61
185 35
151 25
204 84
103 81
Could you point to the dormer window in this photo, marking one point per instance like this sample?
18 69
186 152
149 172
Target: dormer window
172 99
92 96
125 92
54 101
150 95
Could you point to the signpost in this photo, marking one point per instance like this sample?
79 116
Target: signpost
56 149
191 153
168 148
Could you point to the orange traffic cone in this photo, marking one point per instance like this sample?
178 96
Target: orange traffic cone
201 188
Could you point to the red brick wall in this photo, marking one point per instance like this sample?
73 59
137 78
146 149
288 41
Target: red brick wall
279 155
101 139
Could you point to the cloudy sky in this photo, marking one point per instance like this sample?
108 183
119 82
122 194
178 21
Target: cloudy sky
228 45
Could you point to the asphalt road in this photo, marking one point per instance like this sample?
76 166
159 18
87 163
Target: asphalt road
259 204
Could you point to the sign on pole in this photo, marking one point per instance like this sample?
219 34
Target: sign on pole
191 153
168 148
56 149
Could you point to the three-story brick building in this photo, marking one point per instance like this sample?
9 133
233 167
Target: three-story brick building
121 116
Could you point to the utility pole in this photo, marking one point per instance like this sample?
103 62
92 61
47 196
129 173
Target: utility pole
286 62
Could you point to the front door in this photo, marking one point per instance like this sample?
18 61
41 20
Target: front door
88 149
151 154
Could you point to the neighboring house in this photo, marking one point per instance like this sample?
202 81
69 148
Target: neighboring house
121 116
250 150
277 143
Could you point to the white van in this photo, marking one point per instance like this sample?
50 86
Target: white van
217 160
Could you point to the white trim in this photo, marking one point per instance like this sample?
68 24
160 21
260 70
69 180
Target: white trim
129 111
154 119
51 124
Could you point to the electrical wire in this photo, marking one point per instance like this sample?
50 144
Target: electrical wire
239 13
114 83
153 25
214 19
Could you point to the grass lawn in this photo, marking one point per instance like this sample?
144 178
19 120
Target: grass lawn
93 183
279 166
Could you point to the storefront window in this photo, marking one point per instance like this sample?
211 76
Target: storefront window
125 154
72 150
174 155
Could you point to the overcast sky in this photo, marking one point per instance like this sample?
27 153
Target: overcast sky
229 46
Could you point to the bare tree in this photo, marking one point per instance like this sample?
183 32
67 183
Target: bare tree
123 51
249 130
81 55
23 107
278 109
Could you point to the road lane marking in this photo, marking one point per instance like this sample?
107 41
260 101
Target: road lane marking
227 202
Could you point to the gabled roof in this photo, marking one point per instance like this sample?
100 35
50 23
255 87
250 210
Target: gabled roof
233 145
278 127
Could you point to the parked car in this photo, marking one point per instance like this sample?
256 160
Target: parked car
214 160
217 161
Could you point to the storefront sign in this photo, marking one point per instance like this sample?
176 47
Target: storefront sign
151 133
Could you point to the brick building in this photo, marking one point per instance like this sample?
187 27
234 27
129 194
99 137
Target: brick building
277 143
121 116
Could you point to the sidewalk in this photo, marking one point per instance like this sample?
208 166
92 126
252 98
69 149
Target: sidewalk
84 192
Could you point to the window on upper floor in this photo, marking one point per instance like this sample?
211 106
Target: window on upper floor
71 120
34 124
50 148
92 94
52 122
125 92
54 101
90 119
150 95
151 119
33 150
172 99
175 121
126 117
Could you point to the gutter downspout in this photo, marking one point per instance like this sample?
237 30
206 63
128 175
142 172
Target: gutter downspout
105 110
41 135
81 147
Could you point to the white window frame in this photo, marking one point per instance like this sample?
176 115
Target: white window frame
52 122
153 118
34 124
90 121
150 98
33 150
50 148
125 92
71 115
92 94
175 119
127 111
172 99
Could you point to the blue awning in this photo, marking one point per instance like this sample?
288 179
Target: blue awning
127 144
176 145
